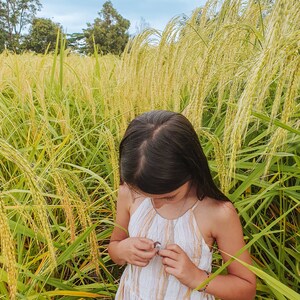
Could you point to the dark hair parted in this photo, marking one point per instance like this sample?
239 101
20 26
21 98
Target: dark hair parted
160 151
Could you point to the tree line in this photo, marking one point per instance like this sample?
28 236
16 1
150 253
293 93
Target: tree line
21 30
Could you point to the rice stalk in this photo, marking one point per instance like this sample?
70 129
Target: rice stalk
78 204
220 160
288 110
67 205
8 251
40 211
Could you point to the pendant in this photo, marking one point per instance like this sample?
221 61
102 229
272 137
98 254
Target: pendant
157 245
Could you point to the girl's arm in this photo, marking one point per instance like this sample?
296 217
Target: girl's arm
123 249
239 283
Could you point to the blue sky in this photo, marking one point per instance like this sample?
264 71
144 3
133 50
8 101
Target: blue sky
73 15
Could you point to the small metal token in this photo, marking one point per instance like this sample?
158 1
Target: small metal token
157 245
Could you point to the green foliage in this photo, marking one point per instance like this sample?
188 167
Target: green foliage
3 38
42 35
108 32
15 15
76 42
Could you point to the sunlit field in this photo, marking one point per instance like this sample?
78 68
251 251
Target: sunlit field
233 70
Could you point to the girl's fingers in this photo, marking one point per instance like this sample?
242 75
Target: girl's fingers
145 240
168 262
170 270
144 244
140 263
175 248
168 253
146 254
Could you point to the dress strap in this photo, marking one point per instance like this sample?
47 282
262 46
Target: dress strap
195 205
143 207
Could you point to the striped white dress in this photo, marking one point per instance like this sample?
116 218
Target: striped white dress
151 282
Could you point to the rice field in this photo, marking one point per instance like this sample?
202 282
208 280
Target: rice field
232 67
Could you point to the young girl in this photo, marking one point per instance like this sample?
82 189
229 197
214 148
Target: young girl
169 215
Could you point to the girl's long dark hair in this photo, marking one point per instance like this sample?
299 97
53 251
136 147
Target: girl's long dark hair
160 151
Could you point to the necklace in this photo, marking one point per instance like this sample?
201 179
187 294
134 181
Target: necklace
157 244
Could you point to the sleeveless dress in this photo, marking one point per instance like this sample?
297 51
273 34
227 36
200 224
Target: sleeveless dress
152 282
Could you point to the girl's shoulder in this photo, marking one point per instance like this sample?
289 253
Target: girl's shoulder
129 198
219 208
212 214
216 208
124 191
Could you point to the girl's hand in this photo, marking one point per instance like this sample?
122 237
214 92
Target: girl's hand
177 263
137 251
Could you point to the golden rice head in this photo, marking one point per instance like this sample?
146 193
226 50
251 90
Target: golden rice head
220 158
113 156
8 252
39 203
67 203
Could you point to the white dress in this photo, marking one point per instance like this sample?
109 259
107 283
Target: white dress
151 282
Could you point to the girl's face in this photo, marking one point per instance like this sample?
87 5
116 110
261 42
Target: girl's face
174 196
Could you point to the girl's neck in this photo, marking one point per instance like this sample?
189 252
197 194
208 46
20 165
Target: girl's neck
174 209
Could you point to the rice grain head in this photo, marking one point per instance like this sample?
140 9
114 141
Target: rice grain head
67 203
39 204
8 251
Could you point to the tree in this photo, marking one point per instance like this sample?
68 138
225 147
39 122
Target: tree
109 32
76 42
42 35
3 38
15 15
